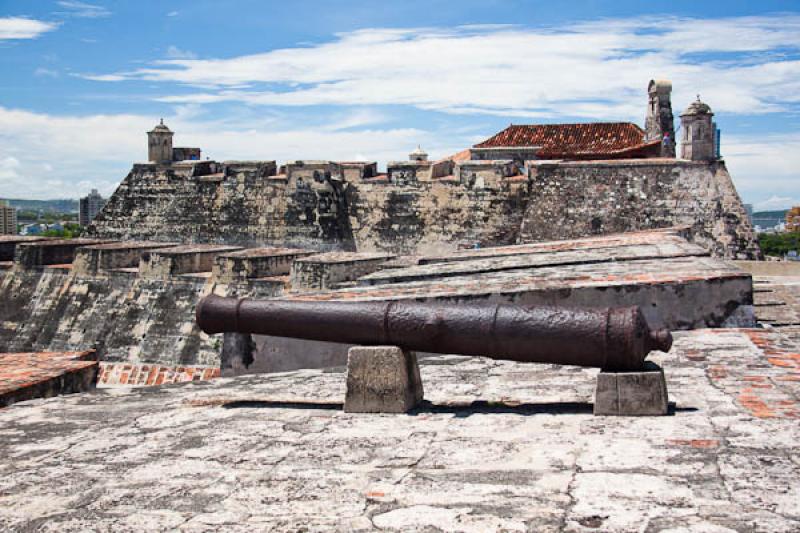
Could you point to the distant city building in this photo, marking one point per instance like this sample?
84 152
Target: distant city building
8 219
33 229
793 219
89 207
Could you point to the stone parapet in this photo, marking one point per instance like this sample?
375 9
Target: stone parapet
90 260
323 271
51 252
9 243
164 263
256 263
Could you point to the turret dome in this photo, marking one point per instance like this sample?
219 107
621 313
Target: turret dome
161 128
697 108
418 154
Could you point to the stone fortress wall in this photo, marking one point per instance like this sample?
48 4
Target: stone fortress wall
575 199
328 206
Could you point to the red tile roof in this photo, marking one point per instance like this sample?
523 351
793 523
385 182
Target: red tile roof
577 141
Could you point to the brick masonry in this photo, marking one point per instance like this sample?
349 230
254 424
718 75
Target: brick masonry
138 375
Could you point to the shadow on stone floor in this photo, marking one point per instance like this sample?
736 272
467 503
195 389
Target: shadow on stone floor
265 404
458 410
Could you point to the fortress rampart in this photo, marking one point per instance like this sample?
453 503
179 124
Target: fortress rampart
330 206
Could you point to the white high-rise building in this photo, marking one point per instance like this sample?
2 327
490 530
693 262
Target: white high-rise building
8 219
89 207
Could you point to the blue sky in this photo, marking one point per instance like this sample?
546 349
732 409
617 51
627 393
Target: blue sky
371 80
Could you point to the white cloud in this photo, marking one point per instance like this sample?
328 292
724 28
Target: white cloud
765 164
774 203
23 28
83 10
173 13
595 70
173 52
46 72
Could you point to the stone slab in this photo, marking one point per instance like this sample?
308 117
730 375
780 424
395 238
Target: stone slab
642 393
256 263
51 252
382 379
24 376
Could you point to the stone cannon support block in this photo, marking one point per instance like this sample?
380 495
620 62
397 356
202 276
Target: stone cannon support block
382 379
237 353
642 393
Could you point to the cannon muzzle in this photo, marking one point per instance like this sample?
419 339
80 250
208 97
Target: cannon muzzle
614 339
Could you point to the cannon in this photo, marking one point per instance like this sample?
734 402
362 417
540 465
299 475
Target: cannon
613 339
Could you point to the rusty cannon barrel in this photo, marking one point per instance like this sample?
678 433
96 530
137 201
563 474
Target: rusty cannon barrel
614 339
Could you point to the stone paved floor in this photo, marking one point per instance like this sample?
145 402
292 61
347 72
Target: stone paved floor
498 446
777 300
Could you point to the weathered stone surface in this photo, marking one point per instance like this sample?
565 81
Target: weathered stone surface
679 293
382 379
237 353
576 199
497 446
324 271
642 393
324 205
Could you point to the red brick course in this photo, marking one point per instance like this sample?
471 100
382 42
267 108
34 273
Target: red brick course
766 388
144 374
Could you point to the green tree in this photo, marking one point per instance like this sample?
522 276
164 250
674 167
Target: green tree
778 244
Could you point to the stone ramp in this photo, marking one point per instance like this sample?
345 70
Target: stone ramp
539 258
678 292
678 234
498 446
24 376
